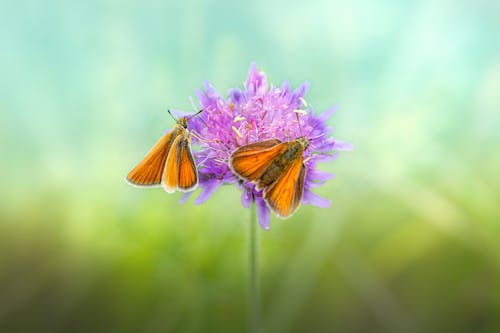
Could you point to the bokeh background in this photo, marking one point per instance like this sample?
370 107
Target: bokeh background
411 242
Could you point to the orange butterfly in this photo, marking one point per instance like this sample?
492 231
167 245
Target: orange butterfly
169 163
277 168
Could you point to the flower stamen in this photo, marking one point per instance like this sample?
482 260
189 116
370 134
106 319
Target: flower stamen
303 101
238 133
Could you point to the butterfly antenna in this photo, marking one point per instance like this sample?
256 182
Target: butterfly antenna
171 115
197 113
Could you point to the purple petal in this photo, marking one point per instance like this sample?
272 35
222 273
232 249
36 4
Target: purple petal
324 116
301 90
208 97
185 196
311 198
235 95
319 175
256 81
196 124
325 157
316 178
246 198
262 213
207 191
210 90
204 100
285 88
343 146
299 93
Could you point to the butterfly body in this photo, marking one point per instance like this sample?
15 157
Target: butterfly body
276 168
169 163
290 152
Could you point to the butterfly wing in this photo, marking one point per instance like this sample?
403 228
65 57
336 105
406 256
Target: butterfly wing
150 170
250 161
180 170
259 145
188 175
285 194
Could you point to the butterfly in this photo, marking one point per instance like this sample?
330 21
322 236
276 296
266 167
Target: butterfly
275 167
169 163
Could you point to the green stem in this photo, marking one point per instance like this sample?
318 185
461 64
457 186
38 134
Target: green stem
253 267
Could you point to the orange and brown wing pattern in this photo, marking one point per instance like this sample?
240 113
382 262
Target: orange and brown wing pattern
180 170
150 170
188 175
258 145
251 161
285 194
171 173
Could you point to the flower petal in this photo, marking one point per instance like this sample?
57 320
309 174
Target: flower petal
343 146
301 90
325 158
319 175
311 198
299 93
210 90
324 116
285 88
256 81
246 197
185 196
207 191
235 95
262 212
316 178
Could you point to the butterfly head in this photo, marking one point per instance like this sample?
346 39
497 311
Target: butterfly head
303 141
183 122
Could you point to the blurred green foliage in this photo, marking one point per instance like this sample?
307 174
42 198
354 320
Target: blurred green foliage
411 242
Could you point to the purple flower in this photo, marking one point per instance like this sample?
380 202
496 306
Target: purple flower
256 113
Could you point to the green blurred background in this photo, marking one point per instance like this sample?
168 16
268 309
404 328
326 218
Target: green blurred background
411 242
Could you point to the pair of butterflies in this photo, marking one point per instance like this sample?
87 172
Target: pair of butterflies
275 167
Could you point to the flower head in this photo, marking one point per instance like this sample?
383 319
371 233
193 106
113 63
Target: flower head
256 113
